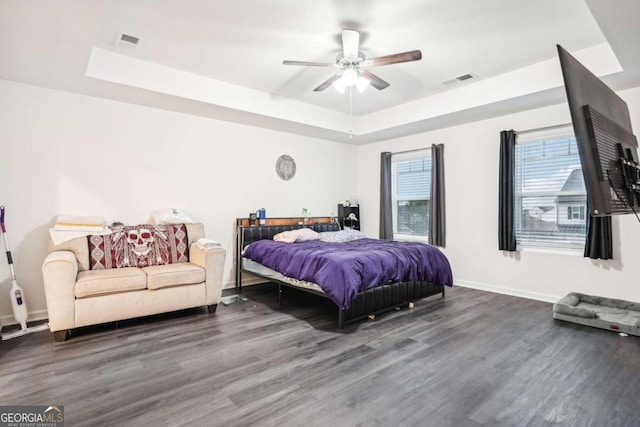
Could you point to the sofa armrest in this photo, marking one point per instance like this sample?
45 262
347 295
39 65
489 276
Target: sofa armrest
212 260
59 272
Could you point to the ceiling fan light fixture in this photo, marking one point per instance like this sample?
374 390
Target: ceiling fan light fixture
350 77
362 83
339 85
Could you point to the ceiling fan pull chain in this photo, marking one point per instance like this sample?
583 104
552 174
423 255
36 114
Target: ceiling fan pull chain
351 114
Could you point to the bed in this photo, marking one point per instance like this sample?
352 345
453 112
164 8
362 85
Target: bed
383 294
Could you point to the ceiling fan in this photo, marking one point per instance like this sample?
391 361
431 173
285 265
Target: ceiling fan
353 65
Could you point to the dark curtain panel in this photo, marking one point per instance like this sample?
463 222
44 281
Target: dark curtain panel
599 243
437 229
386 220
506 229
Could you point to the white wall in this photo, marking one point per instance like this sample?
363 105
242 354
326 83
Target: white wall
471 176
67 153
62 153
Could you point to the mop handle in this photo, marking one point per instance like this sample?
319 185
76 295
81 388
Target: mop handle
6 244
6 241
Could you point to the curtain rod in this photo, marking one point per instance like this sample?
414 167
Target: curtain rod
409 151
544 128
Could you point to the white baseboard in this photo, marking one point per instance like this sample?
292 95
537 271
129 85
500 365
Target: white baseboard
8 319
507 291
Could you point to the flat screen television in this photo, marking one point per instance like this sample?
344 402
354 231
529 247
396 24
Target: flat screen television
607 147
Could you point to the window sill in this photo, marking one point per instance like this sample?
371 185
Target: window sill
570 252
410 238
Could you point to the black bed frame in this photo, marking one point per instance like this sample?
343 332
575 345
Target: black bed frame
368 303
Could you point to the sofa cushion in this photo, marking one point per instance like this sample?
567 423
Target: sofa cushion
184 273
100 282
139 246
79 248
194 232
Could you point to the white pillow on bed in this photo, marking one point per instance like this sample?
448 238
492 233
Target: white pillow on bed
299 235
342 236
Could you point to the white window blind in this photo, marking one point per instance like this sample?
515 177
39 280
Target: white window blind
550 195
411 192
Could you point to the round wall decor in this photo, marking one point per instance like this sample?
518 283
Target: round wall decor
285 167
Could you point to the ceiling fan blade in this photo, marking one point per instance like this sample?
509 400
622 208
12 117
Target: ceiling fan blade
414 55
376 81
350 43
309 64
327 83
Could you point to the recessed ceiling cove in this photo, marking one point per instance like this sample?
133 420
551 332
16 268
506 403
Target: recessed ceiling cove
224 58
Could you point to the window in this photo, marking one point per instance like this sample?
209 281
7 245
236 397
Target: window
551 199
411 191
575 212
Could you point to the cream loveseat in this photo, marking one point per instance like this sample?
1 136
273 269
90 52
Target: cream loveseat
77 296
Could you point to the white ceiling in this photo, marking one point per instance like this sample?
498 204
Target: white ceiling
223 58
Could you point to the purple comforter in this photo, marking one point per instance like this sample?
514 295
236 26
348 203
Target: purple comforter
344 269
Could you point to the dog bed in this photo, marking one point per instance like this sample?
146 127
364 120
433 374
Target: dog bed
605 313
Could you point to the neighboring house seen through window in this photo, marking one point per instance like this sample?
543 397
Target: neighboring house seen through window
411 193
576 212
550 195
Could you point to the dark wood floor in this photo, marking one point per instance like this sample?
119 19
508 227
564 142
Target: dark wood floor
471 359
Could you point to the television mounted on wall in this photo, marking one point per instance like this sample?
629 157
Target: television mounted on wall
607 147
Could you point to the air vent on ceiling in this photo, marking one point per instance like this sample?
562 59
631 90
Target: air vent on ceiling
129 39
461 78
